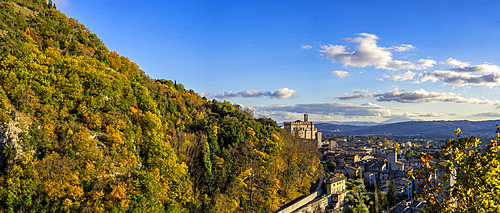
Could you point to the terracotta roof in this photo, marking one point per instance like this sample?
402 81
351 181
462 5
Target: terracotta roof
444 164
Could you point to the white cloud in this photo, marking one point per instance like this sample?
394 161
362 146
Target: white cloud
466 67
355 96
422 96
484 68
419 65
423 114
463 73
455 62
227 95
368 53
461 78
359 90
401 77
306 47
282 93
251 93
205 94
418 96
403 48
490 114
340 74
425 63
279 94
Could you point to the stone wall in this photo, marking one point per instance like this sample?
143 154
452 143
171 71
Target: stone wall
318 204
302 202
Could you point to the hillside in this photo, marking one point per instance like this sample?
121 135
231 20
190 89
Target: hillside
84 129
415 128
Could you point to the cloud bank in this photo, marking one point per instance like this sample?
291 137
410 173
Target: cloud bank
279 94
330 109
463 74
417 96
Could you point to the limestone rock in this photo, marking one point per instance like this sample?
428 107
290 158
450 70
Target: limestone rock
10 139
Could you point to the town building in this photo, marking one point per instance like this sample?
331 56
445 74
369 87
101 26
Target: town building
369 178
336 189
392 161
415 163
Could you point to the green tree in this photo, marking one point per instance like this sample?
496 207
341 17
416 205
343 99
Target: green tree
392 194
475 170
409 154
360 206
331 166
377 203
396 147
359 174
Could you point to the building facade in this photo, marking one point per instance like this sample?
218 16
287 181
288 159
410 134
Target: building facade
303 129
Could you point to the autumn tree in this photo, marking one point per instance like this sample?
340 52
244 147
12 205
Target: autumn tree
475 172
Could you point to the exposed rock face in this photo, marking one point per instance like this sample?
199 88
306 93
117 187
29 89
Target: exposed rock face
10 139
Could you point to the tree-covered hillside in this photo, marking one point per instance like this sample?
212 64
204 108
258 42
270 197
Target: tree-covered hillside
83 129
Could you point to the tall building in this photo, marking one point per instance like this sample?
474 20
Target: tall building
392 158
304 129
392 161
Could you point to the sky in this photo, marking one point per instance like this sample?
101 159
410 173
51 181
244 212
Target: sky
344 61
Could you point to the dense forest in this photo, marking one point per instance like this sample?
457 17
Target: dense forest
84 129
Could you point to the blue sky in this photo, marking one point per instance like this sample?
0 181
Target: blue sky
336 60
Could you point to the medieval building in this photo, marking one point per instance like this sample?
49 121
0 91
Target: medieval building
303 129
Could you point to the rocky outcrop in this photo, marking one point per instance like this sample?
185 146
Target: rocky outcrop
11 148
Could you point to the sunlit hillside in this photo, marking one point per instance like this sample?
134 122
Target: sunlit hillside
86 130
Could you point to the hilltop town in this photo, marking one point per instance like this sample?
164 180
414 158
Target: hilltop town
366 166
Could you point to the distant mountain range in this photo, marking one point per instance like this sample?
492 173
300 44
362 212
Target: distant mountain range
411 128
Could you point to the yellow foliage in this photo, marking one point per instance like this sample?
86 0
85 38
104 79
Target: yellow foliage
119 194
114 135
250 131
152 121
215 128
276 137
224 203
243 176
89 171
263 157
218 161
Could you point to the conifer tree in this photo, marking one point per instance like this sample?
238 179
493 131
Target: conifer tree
392 194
